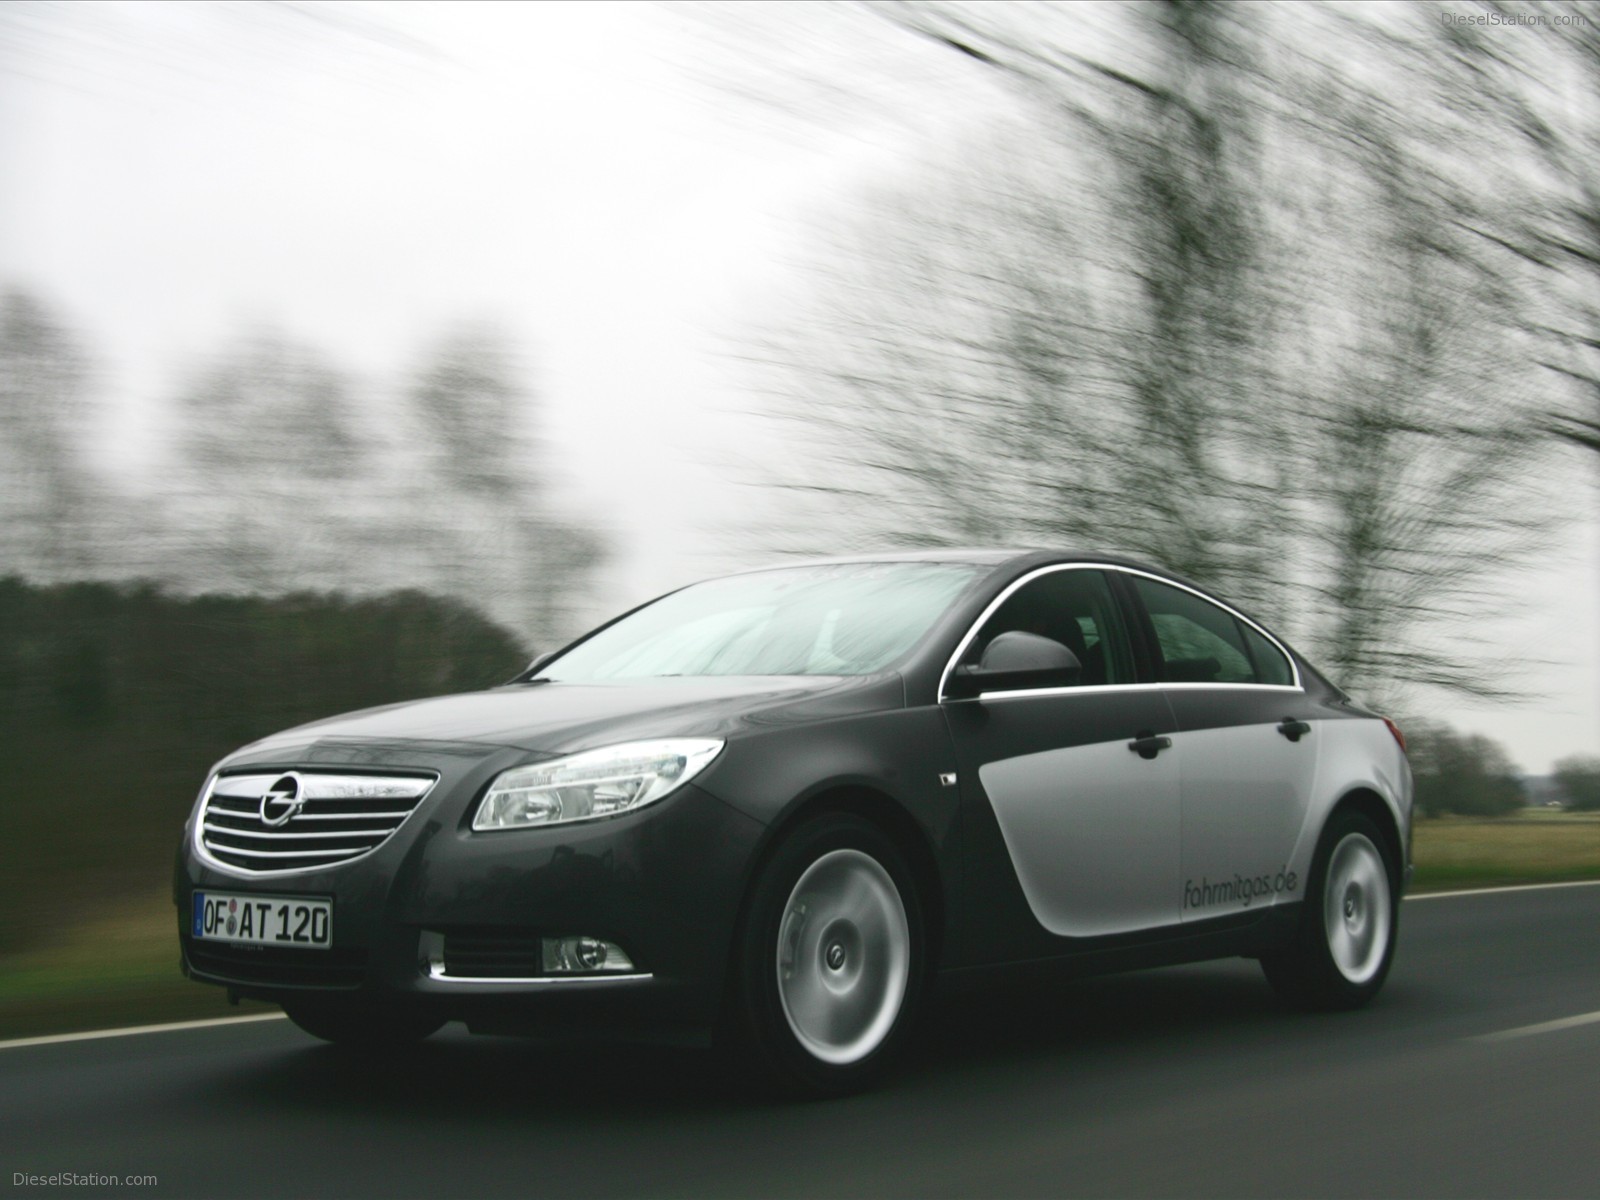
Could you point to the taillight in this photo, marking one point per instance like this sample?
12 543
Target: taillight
1398 736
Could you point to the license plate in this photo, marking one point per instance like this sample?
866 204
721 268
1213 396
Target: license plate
263 920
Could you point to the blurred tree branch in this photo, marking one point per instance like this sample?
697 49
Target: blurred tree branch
1217 305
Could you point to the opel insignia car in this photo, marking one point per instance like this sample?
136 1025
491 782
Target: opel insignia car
771 808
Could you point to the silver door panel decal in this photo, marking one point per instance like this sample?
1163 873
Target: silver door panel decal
1246 792
1089 830
1354 754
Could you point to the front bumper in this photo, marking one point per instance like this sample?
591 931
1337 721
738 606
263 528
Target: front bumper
662 883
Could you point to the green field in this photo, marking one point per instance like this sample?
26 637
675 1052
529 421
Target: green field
119 971
1535 846
123 969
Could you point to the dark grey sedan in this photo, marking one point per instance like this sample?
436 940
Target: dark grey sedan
768 809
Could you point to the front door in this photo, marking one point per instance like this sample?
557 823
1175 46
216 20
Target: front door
1090 825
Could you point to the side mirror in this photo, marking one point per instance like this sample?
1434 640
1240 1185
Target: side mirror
1014 661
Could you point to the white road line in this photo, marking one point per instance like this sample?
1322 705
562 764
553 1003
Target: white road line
1522 1031
94 1034
1521 887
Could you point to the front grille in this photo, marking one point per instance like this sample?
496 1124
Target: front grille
343 968
493 955
266 824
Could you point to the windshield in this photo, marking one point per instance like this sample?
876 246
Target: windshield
845 619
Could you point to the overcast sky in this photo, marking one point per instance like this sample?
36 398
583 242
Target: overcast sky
364 176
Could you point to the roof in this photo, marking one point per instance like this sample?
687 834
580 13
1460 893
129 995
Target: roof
982 556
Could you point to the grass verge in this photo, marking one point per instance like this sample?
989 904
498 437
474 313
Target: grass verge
1537 846
122 970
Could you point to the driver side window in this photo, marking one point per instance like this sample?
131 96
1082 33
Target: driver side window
1074 607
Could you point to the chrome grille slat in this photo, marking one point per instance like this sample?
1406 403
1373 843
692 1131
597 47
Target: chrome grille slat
398 816
253 811
354 815
354 805
227 814
273 833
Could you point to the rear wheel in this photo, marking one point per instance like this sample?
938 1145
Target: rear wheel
830 957
362 1026
1345 943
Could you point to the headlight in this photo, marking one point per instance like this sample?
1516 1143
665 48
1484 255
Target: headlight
596 783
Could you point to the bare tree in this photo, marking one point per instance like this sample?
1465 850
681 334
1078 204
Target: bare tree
1536 85
1421 483
48 492
483 499
294 476
1163 339
1562 234
1208 457
271 459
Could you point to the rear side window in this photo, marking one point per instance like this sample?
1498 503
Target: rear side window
1201 643
1270 663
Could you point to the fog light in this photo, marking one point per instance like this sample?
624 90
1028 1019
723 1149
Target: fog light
565 956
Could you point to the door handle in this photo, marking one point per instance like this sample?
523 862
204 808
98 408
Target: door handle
1148 745
1293 729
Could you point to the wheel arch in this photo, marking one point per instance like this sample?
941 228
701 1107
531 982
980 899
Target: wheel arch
888 815
1370 804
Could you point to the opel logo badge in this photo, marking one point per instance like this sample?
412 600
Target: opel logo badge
282 800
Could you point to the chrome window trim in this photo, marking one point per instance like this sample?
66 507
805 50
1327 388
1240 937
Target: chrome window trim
197 836
1050 568
1098 688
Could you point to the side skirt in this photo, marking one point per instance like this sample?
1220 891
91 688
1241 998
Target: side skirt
1246 935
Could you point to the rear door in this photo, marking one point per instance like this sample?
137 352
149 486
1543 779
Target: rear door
1248 750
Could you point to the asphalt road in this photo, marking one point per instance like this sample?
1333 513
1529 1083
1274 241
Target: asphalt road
1183 1082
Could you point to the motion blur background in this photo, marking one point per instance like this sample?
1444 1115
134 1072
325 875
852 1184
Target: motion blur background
355 351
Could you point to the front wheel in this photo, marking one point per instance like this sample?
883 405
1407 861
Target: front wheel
1345 942
362 1026
830 957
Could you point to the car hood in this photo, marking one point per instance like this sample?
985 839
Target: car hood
563 718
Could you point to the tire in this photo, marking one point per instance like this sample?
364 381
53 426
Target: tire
830 959
362 1026
1345 942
